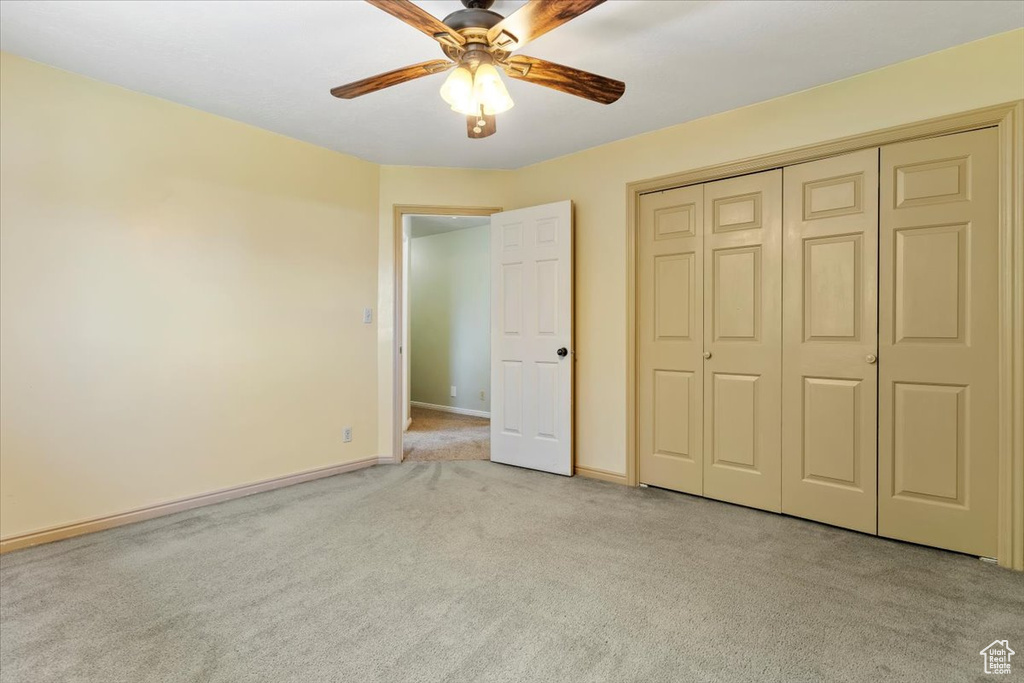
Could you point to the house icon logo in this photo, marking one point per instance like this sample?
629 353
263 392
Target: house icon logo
997 657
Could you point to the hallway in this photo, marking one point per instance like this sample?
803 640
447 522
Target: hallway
435 435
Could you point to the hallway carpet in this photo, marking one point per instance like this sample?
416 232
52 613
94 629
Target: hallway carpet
435 435
473 571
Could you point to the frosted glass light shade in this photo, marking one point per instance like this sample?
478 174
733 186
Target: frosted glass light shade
458 91
489 91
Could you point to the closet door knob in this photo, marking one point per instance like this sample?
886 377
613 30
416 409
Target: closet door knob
707 355
562 352
871 358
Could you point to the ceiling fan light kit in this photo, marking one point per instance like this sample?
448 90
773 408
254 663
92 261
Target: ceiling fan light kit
479 42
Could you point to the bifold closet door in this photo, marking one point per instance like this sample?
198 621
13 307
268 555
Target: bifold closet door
742 339
938 342
830 336
671 337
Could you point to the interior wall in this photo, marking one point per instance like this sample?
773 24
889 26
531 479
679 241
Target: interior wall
978 74
181 294
450 318
418 186
181 301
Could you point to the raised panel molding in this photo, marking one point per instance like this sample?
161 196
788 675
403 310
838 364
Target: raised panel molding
512 236
673 395
673 296
742 212
936 182
512 298
735 420
737 293
930 274
674 221
832 288
831 438
547 400
929 459
834 197
512 412
547 297
547 232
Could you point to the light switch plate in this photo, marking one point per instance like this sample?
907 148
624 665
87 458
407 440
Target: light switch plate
453 391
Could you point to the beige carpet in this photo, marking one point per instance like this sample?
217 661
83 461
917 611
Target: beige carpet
445 436
473 572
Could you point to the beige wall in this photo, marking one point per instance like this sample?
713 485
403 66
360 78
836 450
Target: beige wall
414 185
970 76
181 301
181 294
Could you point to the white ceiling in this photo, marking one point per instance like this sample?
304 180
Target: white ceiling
425 226
271 64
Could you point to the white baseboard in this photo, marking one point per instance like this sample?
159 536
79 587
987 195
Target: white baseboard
408 423
449 409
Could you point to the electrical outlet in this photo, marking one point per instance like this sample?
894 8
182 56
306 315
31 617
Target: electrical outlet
367 315
346 434
483 395
453 391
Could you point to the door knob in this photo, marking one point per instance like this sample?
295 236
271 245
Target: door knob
871 358
562 352
707 354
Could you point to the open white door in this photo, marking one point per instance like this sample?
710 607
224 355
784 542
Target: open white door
531 337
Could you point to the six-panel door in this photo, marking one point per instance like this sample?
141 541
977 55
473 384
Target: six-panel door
531 337
938 342
829 383
671 339
742 339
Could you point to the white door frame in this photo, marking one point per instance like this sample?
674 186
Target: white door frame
398 365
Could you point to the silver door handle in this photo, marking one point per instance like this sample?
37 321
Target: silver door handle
871 358
707 355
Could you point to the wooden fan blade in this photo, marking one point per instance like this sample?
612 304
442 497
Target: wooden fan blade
565 78
386 80
534 19
420 19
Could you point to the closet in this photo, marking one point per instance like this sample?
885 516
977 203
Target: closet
821 340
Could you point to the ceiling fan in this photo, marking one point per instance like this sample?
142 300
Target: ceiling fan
478 42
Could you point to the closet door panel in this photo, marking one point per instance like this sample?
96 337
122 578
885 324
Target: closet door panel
938 342
742 339
671 326
829 384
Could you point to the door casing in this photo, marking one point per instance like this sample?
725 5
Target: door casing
398 363
1008 118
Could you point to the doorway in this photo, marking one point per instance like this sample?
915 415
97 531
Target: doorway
530 288
443 333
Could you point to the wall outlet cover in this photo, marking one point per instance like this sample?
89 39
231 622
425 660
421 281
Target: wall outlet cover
346 434
453 391
367 315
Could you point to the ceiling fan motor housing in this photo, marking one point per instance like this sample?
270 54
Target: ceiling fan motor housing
473 17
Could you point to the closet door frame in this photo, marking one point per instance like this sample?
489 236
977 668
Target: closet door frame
1008 118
